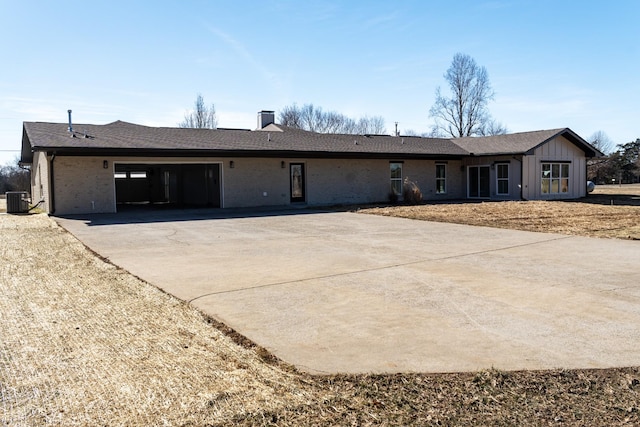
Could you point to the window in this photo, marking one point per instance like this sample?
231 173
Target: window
396 178
441 178
502 177
133 174
555 178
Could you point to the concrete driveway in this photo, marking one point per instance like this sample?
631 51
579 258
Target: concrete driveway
343 292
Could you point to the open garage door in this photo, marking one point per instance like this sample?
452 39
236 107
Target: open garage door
167 185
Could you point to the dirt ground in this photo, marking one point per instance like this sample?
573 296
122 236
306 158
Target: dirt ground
609 212
86 343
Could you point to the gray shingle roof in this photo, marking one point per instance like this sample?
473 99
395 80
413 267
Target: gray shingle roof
521 143
515 143
122 138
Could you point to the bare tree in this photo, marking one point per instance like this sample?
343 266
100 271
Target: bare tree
492 127
314 119
464 112
290 116
202 117
602 142
411 132
371 125
13 178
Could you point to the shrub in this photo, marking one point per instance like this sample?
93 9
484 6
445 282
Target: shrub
411 192
393 197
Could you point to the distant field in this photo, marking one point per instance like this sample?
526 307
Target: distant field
625 189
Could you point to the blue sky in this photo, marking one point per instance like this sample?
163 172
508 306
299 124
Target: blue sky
551 63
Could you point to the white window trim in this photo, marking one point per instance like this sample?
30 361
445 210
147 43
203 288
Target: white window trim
498 179
392 180
551 178
441 179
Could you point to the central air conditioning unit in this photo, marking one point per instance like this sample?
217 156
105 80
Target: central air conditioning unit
17 202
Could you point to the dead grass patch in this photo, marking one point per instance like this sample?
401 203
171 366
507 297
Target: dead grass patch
85 343
609 212
526 398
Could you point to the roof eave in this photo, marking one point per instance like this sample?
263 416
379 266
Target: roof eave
26 151
589 150
154 152
500 153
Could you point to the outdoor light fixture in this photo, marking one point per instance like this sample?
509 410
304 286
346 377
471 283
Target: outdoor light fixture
105 164
282 164
232 164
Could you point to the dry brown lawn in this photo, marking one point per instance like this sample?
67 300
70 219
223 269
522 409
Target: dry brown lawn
611 212
84 343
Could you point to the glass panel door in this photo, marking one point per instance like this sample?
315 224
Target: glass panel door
473 181
485 181
297 182
479 181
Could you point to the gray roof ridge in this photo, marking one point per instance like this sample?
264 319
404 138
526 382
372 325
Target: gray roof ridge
506 135
122 122
350 135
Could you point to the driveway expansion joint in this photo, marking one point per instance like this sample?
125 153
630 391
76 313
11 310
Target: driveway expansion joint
524 300
385 267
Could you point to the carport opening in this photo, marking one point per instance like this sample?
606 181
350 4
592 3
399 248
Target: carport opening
189 185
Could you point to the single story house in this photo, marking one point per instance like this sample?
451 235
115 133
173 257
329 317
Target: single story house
79 169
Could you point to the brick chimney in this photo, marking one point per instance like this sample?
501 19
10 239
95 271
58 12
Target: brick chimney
266 118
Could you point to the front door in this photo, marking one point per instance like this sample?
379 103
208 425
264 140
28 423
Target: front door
213 185
296 174
479 182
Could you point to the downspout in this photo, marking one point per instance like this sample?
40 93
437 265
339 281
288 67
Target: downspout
521 175
52 192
